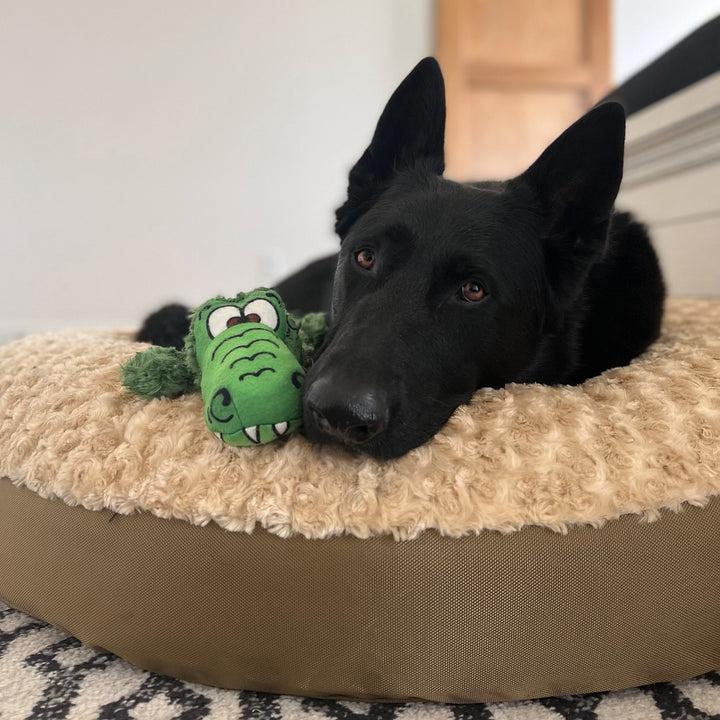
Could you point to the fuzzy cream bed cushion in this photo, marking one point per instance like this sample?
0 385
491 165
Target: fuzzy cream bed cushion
634 440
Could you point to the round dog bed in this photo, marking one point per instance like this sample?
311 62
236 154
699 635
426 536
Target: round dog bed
549 540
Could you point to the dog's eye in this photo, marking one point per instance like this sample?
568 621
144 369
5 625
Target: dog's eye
365 258
472 291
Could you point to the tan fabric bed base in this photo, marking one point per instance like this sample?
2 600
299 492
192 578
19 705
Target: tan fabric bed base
484 617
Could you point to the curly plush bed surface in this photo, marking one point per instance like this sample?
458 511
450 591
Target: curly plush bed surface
349 577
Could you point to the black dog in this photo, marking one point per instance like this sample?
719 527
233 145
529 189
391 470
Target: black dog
441 288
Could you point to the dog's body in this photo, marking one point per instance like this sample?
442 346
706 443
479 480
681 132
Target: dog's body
440 287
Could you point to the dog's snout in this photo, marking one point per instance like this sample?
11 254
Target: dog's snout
353 416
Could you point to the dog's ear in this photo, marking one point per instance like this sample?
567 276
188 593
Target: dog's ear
575 182
578 176
411 130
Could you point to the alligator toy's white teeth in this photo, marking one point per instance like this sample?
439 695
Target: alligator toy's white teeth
218 436
280 428
252 433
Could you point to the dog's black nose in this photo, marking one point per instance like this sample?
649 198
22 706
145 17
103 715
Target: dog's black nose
351 415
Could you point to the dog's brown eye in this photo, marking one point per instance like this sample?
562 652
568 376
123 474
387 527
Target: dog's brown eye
472 292
365 259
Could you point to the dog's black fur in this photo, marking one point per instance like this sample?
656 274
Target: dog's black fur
441 288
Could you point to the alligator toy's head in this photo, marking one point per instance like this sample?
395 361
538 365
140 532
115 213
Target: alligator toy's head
245 354
247 351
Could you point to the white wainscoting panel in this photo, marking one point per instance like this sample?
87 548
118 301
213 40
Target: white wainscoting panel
672 183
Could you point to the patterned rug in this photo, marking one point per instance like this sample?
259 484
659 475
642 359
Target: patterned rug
46 674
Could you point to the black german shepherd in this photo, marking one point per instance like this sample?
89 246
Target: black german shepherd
441 288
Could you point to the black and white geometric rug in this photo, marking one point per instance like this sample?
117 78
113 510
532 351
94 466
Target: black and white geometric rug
47 675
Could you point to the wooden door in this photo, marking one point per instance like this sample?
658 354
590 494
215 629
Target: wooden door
517 73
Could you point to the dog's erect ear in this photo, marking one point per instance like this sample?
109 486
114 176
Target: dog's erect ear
575 182
578 176
411 130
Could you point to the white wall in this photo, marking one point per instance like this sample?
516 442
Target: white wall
162 150
642 30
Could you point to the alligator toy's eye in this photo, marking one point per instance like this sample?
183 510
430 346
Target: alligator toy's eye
222 318
262 311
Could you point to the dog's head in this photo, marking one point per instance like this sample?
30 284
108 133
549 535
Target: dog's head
442 287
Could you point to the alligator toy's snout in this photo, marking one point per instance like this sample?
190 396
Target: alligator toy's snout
223 412
252 386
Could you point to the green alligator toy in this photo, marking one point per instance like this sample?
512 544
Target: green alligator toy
247 356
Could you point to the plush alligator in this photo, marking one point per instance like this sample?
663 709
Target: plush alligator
247 356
